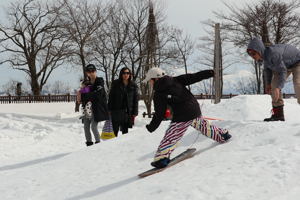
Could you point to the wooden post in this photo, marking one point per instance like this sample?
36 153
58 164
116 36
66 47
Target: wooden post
19 90
217 64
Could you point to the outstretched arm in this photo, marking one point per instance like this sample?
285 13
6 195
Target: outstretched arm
188 79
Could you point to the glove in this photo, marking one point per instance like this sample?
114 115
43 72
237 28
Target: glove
167 113
208 73
147 127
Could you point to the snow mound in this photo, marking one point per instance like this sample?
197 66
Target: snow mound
43 156
247 107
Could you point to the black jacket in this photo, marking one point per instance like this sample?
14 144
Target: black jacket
99 100
123 98
172 91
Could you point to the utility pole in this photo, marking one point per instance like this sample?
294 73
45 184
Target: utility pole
217 65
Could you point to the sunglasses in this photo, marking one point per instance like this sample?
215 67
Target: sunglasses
126 73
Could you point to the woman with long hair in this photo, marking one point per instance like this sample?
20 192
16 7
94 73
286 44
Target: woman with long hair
123 102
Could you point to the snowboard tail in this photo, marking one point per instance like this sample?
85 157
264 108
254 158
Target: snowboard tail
183 156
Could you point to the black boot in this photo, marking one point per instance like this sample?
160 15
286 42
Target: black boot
226 136
89 143
161 163
277 115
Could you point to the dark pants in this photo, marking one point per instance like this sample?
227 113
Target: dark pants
123 127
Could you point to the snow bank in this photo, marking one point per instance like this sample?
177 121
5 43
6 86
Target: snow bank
43 156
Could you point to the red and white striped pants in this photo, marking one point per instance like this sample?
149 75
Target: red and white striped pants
177 129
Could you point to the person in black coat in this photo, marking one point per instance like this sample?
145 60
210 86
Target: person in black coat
171 91
98 99
123 102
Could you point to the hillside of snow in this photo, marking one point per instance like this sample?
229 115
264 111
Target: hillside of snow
43 156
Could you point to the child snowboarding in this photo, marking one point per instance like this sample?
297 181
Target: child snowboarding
171 91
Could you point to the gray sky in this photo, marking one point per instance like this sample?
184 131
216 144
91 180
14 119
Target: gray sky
185 14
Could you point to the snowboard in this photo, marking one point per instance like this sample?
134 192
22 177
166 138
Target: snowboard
183 156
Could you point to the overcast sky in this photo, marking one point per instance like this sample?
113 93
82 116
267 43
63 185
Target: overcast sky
185 14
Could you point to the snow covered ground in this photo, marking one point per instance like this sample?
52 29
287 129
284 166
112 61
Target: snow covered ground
43 156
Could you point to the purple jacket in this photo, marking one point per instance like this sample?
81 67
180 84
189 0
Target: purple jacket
85 89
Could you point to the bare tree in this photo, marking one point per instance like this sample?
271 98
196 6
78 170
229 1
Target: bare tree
183 48
204 87
81 20
110 42
206 47
207 51
32 41
246 85
10 87
137 17
59 87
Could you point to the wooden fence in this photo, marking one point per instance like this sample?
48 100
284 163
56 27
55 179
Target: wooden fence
37 99
72 98
211 96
